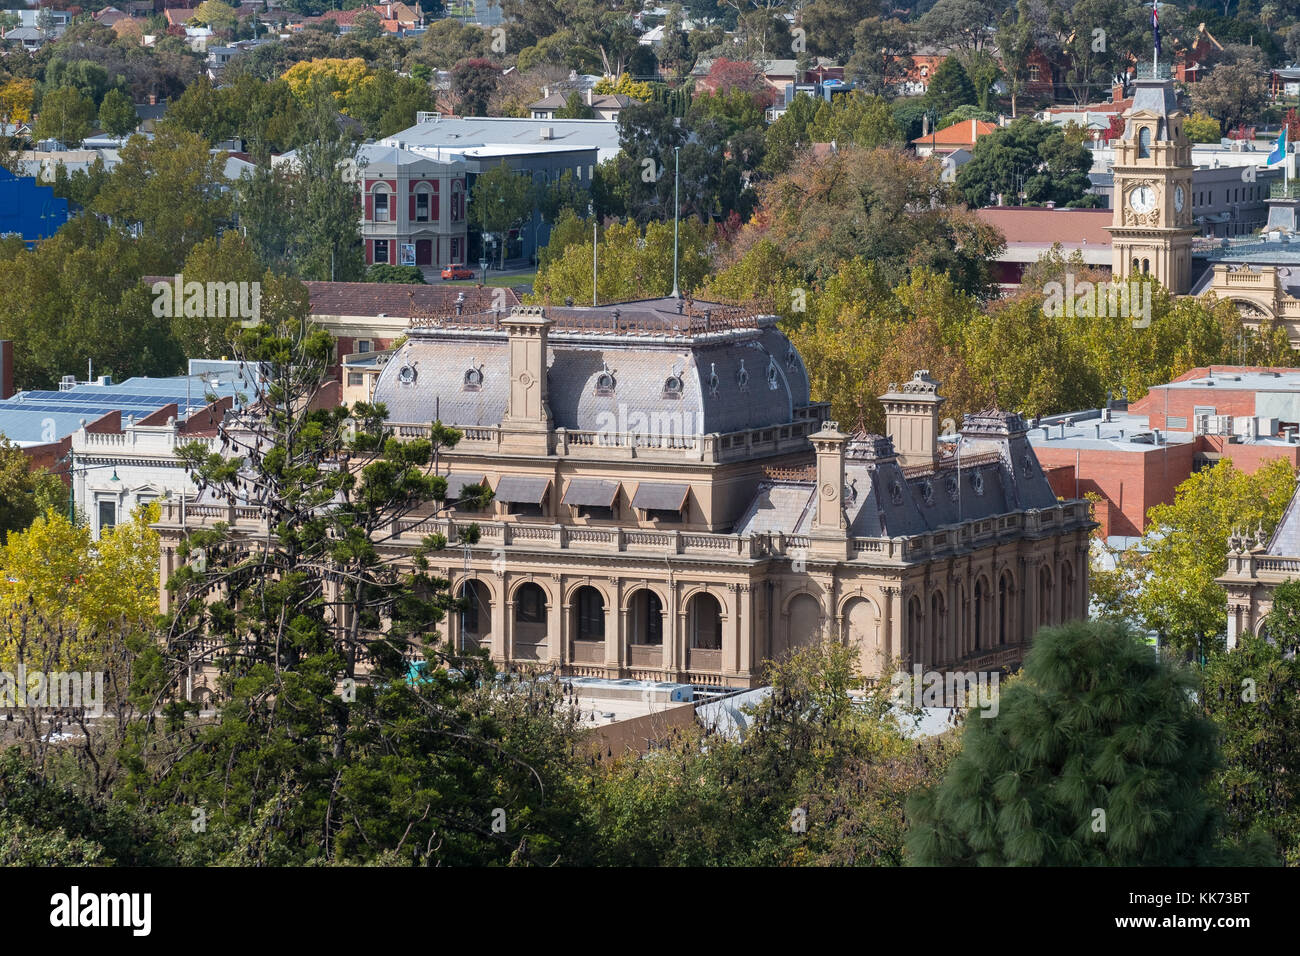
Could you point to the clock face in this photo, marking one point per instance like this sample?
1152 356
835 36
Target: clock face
1179 198
1142 199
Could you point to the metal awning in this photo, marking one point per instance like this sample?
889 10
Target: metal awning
660 496
522 489
592 492
457 480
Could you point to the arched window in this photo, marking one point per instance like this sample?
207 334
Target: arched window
476 615
1146 267
936 628
646 618
530 614
382 201
704 621
979 613
589 615
1144 142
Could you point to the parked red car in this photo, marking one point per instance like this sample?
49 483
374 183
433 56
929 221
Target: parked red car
457 271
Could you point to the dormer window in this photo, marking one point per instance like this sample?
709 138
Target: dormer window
742 377
773 376
473 379
605 383
406 375
674 386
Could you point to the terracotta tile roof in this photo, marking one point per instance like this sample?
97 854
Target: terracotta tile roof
392 298
1038 225
958 134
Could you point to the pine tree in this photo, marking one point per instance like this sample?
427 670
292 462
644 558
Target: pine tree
315 757
1097 756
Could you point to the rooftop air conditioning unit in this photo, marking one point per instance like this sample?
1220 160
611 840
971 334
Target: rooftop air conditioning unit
548 132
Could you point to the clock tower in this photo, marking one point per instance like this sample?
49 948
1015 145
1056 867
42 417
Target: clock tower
1152 227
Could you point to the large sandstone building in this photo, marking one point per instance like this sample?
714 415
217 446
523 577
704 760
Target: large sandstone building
670 504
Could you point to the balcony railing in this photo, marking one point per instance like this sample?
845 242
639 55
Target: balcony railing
526 536
1284 190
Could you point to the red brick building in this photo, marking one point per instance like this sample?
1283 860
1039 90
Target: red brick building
1135 456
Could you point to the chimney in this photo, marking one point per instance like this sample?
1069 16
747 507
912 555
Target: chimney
6 368
829 531
526 426
153 99
912 419
589 96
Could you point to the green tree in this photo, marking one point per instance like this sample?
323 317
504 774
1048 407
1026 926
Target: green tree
502 200
227 258
1028 162
1097 756
1235 91
1185 549
1202 128
117 114
575 108
634 264
1253 693
1015 41
408 275
171 189
66 114
400 771
25 492
950 87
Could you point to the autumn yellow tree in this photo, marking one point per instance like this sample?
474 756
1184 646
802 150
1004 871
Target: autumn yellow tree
55 572
337 76
16 98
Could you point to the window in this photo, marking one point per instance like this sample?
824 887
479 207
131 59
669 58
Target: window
363 345
381 207
107 515
665 515
457 204
577 173
1034 72
1144 142
530 604
355 378
597 512
381 251
591 615
455 250
422 207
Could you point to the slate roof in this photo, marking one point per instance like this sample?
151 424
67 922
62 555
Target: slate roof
995 473
733 376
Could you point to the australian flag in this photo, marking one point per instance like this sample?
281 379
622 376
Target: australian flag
1155 26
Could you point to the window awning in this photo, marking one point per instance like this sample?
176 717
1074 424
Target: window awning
456 482
592 492
522 489
660 496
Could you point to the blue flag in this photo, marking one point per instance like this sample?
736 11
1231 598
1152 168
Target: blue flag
1279 151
